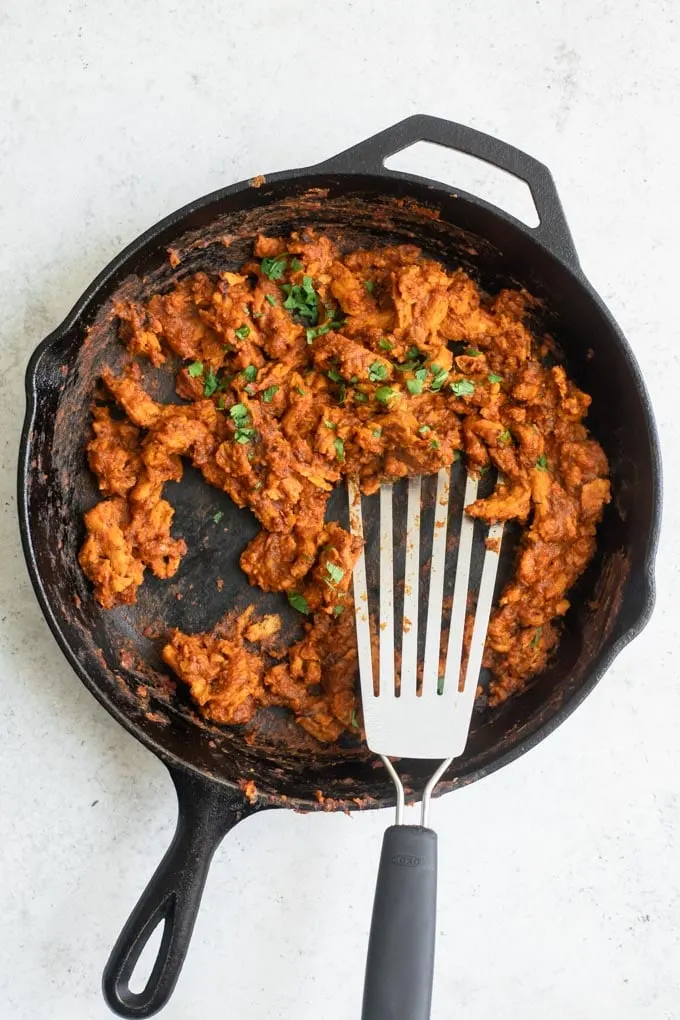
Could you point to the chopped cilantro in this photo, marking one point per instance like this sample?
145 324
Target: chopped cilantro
220 404
295 265
298 602
275 267
330 424
302 301
244 435
440 375
377 372
493 378
377 432
423 430
384 394
271 300
542 463
333 375
315 331
353 721
421 374
218 516
463 387
360 398
369 285
413 352
250 373
195 369
385 344
536 639
257 315
300 391
505 437
472 352
342 392
337 610
242 332
434 444
414 386
339 449
335 572
268 394
210 384
239 414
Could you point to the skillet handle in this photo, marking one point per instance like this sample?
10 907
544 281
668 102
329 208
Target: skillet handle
369 157
207 811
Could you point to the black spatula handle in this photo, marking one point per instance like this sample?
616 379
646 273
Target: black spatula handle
400 962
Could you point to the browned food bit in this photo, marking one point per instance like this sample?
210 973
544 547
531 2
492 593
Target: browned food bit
307 366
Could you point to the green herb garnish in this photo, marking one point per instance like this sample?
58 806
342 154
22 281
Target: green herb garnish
239 414
270 299
250 373
244 435
242 332
377 433
440 375
339 449
472 352
313 332
414 386
218 516
268 394
536 639
353 721
423 430
330 424
302 301
377 372
335 572
493 378
337 610
505 437
463 387
274 267
542 463
385 344
384 394
210 384
298 602
333 375
369 285
360 398
300 391
434 444
295 265
195 369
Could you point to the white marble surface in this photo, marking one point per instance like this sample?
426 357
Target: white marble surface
560 884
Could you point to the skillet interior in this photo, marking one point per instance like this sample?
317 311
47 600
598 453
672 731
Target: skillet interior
115 652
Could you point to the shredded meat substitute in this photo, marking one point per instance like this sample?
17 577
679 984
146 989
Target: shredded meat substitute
304 368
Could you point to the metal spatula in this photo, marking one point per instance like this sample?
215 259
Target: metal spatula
415 718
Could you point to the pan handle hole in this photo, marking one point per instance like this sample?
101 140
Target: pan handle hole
500 188
143 968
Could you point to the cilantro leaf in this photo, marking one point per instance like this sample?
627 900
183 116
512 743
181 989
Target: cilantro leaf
271 300
472 352
302 300
210 384
195 369
218 516
463 387
542 463
337 610
298 602
414 386
250 373
369 285
242 332
295 265
493 378
244 435
536 639
385 344
434 444
423 430
274 267
377 372
339 449
505 437
335 572
384 394
268 394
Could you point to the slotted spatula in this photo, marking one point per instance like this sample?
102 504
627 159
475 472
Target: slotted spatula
412 718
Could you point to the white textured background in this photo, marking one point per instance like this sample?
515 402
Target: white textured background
560 884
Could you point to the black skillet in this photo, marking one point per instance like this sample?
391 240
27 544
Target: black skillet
116 653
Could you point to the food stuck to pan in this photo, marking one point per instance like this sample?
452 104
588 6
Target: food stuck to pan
309 366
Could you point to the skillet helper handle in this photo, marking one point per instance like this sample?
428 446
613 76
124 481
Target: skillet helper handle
206 813
400 963
369 157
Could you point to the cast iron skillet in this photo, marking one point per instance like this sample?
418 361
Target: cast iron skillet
116 653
